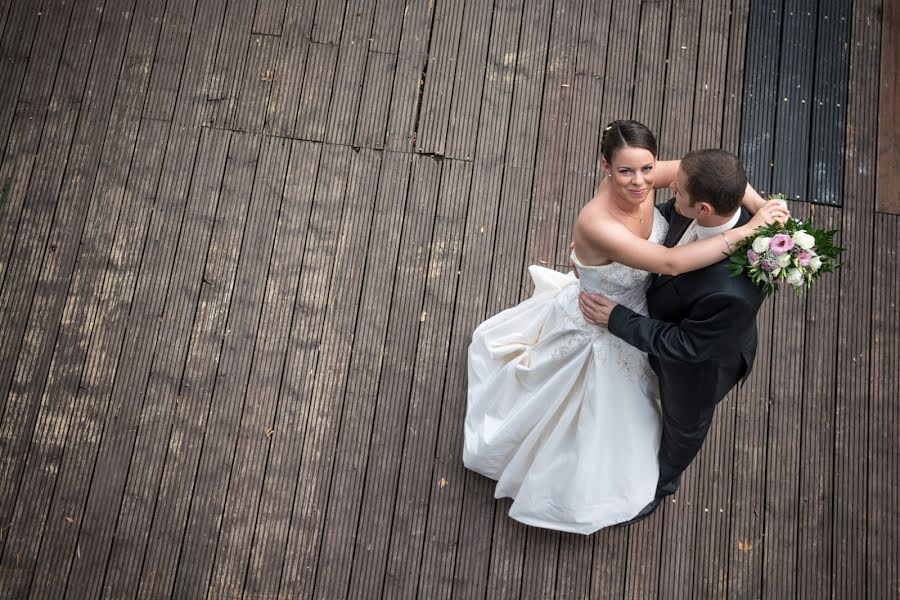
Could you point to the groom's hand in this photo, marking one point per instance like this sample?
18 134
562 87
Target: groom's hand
596 308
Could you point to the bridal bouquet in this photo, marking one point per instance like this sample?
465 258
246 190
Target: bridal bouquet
794 253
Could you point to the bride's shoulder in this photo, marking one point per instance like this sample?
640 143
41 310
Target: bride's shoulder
594 219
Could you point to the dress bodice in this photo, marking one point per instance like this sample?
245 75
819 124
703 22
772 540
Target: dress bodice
620 283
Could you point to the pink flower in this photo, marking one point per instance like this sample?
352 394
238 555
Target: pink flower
753 257
781 243
803 258
768 265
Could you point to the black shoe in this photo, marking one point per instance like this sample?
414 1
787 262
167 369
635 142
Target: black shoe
645 512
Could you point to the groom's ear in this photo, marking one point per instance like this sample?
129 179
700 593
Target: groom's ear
705 209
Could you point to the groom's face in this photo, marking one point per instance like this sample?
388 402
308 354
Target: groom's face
682 199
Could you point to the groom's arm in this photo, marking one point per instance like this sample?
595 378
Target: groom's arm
706 333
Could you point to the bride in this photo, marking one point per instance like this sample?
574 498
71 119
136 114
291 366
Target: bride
562 414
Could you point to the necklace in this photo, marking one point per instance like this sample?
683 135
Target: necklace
640 212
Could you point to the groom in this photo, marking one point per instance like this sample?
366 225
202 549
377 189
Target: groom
701 332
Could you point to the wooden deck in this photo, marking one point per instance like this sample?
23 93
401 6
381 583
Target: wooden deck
244 243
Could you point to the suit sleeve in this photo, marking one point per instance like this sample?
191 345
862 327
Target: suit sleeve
708 330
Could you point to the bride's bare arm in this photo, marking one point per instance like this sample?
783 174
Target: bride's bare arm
617 243
664 173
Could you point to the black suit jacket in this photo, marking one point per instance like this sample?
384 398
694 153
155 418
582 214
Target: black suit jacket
701 332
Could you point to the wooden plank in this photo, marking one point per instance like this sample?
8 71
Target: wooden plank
439 76
31 248
539 565
883 548
851 456
176 409
734 76
710 82
332 387
783 448
609 565
291 68
573 577
92 443
412 58
760 94
225 493
371 120
794 98
129 491
370 499
220 517
317 276
19 29
582 166
751 400
652 51
66 212
346 94
387 26
887 198
269 16
469 81
829 103
273 342
4 14
256 85
818 422
394 386
224 83
555 131
350 72
791 149
177 412
191 86
78 316
318 92
27 129
329 21
420 480
168 65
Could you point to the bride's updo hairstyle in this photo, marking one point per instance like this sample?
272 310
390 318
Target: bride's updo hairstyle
626 134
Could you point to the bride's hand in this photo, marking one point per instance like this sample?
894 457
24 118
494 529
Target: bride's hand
769 213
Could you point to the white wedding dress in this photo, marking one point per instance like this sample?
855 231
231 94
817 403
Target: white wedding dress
563 414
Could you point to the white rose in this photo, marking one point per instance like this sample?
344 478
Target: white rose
784 260
804 240
794 277
761 244
814 263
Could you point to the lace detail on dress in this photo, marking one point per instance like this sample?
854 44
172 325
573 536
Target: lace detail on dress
618 282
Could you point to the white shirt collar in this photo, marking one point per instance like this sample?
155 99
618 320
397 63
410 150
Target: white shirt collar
707 232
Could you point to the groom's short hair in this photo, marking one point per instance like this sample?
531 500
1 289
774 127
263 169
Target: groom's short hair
716 177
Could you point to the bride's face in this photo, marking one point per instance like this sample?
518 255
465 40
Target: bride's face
632 172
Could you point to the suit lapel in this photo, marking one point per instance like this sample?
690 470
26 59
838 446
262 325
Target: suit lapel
678 225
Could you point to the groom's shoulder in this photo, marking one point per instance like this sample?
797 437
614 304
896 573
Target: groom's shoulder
667 208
